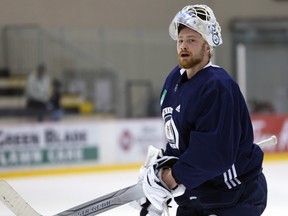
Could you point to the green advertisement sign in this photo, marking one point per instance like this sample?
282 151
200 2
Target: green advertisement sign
45 156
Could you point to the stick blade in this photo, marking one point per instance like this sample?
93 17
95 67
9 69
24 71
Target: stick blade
10 198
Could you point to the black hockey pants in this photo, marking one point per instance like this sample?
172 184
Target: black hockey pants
249 199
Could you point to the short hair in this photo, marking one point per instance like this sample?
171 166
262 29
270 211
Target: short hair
180 27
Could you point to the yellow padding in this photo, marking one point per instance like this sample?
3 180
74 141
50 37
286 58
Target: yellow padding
86 107
71 100
67 170
275 156
268 157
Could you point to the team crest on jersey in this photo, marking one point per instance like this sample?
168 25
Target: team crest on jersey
171 131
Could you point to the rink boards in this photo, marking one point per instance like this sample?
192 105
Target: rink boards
105 145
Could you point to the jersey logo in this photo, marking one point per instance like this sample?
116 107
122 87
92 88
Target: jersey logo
178 108
171 131
230 178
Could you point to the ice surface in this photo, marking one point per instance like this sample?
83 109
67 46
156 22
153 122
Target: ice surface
54 194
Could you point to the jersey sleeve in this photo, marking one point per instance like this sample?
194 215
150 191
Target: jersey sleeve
214 139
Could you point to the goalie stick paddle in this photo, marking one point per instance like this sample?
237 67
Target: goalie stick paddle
14 201
20 207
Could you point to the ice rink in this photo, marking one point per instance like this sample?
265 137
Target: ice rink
54 194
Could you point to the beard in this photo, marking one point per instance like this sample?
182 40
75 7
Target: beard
191 61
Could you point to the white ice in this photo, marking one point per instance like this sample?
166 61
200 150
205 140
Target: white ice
54 194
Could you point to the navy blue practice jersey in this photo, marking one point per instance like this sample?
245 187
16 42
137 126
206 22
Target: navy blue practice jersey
208 127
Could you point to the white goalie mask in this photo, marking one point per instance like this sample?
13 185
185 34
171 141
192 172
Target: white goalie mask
200 18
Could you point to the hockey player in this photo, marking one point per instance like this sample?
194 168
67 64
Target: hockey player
210 150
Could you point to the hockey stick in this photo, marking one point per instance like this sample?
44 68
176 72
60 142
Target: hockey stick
94 207
20 207
268 142
14 201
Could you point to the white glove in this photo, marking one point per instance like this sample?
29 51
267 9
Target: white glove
155 190
143 204
145 207
152 155
158 195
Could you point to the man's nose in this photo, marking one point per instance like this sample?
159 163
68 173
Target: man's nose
183 48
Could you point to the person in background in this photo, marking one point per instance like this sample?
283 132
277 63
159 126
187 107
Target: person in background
38 92
55 101
211 165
